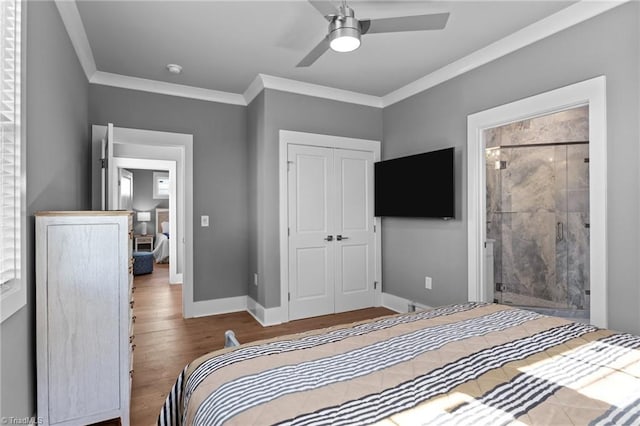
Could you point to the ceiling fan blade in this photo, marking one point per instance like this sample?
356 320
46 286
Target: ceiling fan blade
404 23
324 7
315 53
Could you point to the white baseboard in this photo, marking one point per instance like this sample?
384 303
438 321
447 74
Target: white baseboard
395 303
219 306
265 316
400 304
273 316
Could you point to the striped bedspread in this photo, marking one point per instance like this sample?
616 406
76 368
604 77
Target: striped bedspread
469 364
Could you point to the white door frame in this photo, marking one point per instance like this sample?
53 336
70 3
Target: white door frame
170 166
160 143
288 137
590 92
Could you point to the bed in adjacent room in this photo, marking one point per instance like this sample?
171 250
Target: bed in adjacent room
161 249
472 364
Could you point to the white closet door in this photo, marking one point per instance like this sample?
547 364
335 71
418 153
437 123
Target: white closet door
331 235
355 238
311 252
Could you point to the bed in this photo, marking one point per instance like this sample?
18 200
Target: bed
462 364
161 249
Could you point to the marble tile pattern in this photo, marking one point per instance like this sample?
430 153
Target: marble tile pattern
537 207
565 126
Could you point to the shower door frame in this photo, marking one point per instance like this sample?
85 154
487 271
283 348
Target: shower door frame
590 92
557 232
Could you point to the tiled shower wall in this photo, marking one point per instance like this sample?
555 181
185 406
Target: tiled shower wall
538 209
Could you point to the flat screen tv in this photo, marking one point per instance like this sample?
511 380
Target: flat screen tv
419 185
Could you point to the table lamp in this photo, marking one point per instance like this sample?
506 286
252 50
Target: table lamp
144 217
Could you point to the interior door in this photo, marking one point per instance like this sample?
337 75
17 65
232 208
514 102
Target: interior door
109 177
331 230
311 246
355 238
125 189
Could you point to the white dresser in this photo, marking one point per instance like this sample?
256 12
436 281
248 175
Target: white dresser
84 321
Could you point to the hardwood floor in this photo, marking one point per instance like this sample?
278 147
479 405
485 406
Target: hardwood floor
165 342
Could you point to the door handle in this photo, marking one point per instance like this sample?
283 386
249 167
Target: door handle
329 238
559 231
340 238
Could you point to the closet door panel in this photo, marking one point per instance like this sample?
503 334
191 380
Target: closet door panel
354 192
311 222
355 238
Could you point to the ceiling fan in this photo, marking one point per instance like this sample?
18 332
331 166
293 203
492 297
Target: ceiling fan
345 29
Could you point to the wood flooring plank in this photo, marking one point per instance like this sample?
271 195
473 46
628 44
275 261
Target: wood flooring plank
166 342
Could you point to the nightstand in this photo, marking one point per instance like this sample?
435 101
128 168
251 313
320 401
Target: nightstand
143 243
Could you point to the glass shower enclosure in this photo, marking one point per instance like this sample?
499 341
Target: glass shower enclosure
538 216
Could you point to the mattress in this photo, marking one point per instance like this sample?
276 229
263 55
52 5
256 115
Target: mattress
462 364
162 249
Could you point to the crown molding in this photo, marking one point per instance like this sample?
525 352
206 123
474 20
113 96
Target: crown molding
254 89
75 28
561 20
164 88
261 82
318 91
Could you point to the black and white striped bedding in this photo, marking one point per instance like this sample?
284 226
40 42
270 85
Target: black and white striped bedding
461 364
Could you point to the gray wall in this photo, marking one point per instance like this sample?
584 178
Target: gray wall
255 132
58 178
287 111
605 45
220 176
143 198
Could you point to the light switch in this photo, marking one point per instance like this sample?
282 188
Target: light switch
427 283
204 221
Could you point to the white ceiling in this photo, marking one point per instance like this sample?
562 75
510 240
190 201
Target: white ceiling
224 45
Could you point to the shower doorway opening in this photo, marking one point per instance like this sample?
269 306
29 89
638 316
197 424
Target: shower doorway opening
537 212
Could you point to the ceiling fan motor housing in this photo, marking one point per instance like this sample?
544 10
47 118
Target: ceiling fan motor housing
344 25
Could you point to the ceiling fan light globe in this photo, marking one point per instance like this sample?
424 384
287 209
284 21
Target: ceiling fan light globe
345 44
345 40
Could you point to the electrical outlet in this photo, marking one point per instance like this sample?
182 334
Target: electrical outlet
255 279
204 221
427 283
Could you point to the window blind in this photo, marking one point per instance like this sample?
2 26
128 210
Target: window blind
10 135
